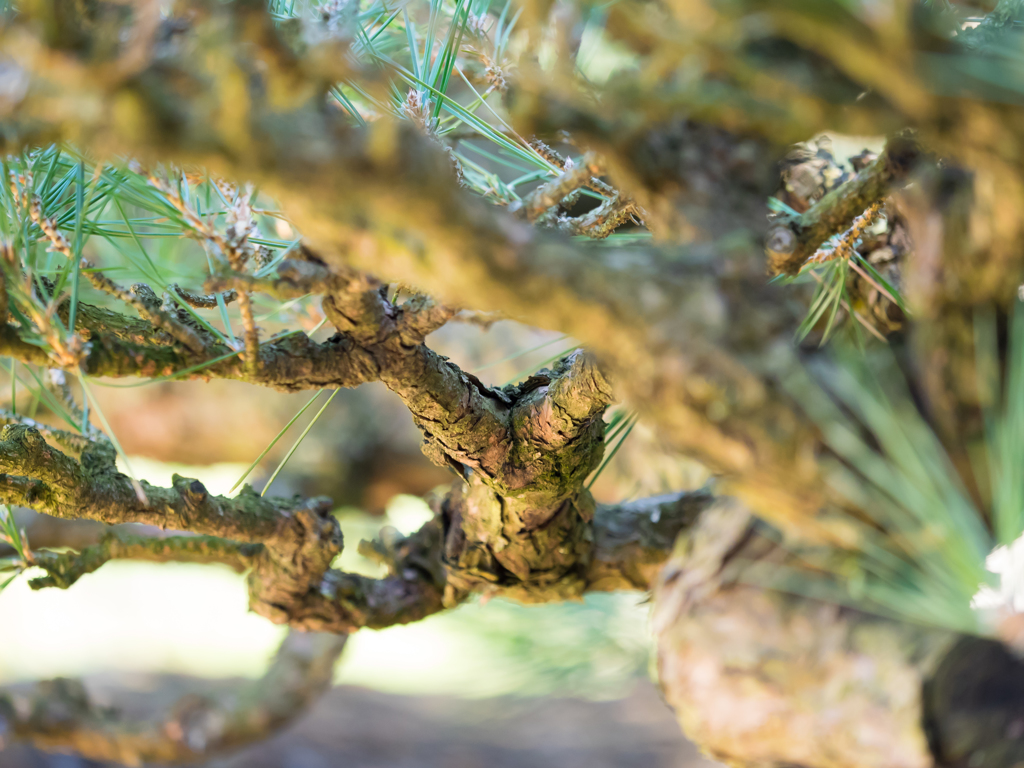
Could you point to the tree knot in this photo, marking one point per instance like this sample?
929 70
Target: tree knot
25 437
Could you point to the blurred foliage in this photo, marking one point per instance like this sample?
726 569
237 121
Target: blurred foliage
918 543
593 649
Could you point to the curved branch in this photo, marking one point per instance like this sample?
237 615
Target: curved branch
287 548
58 714
698 336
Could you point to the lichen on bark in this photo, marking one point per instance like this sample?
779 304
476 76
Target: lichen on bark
686 325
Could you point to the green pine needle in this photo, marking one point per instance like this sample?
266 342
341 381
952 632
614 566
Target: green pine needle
273 442
298 442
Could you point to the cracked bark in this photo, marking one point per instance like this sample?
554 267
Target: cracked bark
692 335
761 677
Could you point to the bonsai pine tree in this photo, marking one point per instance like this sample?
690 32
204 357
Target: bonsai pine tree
833 334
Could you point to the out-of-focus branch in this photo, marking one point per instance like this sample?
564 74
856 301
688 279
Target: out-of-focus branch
63 570
740 632
791 242
58 715
789 670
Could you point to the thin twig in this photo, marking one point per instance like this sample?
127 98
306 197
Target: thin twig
549 195
148 310
201 300
67 353
235 247
101 282
844 247
603 220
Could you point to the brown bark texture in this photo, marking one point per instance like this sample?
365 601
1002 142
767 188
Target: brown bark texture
686 326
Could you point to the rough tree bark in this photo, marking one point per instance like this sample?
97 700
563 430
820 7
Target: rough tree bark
688 329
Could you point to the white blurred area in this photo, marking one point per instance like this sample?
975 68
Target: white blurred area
1007 563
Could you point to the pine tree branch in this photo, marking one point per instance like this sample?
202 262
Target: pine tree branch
199 300
791 242
630 542
533 543
59 715
287 544
463 252
64 569
633 540
69 441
